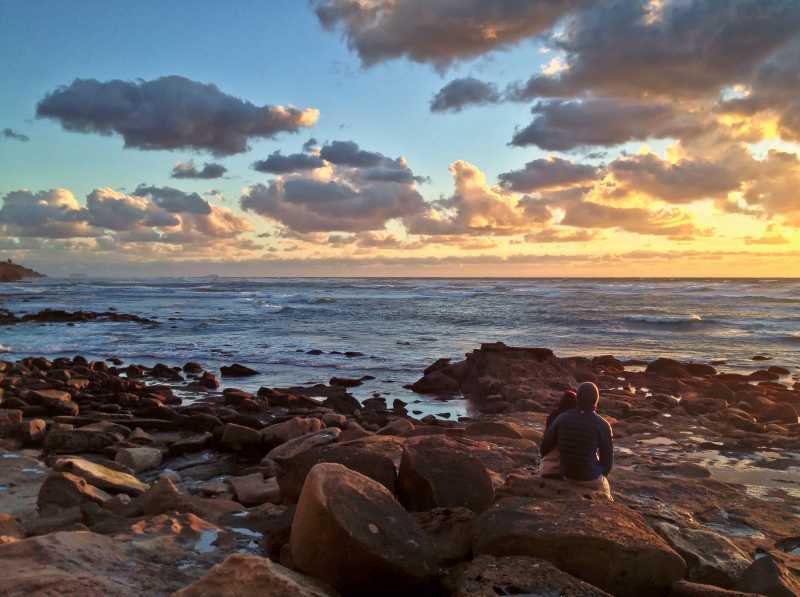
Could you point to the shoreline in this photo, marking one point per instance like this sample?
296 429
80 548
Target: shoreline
98 448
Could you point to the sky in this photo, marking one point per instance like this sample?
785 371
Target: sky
401 137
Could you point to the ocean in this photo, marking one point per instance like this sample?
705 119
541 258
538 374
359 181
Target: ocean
403 325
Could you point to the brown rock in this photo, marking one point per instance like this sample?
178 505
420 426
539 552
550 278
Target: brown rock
373 456
434 473
605 544
436 382
487 576
64 490
252 490
350 532
298 445
164 497
711 558
101 476
10 529
282 432
772 574
139 459
450 532
56 402
397 427
242 575
685 588
237 437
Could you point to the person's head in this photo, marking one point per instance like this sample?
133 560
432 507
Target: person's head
588 396
568 401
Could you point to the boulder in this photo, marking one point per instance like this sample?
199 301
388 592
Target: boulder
104 477
237 437
668 368
494 429
78 441
772 574
606 544
242 575
710 558
349 531
450 532
295 427
64 490
139 459
435 473
164 497
685 588
487 576
253 490
779 413
397 427
301 444
436 382
237 370
56 402
374 456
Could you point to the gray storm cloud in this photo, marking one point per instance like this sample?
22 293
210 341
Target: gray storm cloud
169 113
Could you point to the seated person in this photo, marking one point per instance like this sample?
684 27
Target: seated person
551 463
584 441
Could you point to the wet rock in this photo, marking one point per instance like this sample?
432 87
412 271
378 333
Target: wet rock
773 575
350 532
487 576
237 370
342 403
245 575
65 490
10 529
353 431
55 402
192 367
298 445
164 497
711 558
334 420
685 588
237 437
86 564
397 427
345 382
437 382
450 532
372 456
494 429
781 413
139 459
605 544
104 477
279 433
668 368
252 490
435 473
90 438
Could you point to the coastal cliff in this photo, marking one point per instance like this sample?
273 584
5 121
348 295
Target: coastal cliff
12 272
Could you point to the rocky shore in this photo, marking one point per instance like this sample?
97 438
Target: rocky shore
120 479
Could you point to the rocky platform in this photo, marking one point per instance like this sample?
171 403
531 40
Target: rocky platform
130 480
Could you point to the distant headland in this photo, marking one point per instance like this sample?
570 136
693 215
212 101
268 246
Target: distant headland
13 272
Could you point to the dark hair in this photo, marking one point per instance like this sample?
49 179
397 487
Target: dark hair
588 396
568 401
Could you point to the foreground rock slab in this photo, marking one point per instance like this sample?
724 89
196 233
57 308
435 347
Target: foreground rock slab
243 575
350 532
606 544
487 576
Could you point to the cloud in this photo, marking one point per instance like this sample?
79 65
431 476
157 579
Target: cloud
671 48
277 163
673 223
547 173
561 235
112 210
563 125
174 200
44 214
474 208
189 170
309 205
15 135
169 113
438 32
684 181
347 153
460 93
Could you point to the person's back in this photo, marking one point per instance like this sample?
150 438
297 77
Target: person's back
583 438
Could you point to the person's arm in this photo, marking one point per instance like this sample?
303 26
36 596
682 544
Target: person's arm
550 439
606 447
